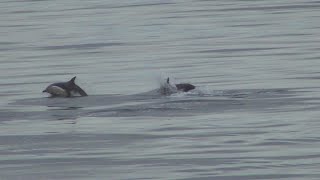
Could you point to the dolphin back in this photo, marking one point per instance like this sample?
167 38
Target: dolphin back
185 87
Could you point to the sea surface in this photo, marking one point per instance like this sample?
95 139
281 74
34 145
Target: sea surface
253 115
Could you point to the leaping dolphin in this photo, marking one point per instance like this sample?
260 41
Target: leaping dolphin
65 89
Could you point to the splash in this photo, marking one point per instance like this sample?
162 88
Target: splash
167 88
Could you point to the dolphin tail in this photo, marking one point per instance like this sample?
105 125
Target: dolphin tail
81 91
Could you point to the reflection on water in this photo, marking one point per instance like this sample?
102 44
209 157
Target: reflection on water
253 114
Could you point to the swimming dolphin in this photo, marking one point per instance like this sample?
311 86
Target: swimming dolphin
65 89
185 87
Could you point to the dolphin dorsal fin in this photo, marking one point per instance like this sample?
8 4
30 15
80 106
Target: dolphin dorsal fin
72 80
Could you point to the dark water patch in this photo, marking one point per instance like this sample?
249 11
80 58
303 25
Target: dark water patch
54 162
74 140
34 0
173 17
23 67
276 143
237 50
273 8
252 177
6 49
5 94
23 12
295 157
22 173
80 46
235 142
83 8
43 115
188 170
251 25
20 25
237 55
128 5
62 66
287 35
176 128
3 43
312 58
276 54
215 133
204 10
24 59
202 152
312 2
19 84
48 75
306 77
310 140
152 24
288 142
144 4
271 125
260 93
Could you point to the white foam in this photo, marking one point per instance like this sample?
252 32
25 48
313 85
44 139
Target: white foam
171 89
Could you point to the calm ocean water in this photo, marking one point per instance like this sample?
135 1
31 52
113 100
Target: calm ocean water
254 114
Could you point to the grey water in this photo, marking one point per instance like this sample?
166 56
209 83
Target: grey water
253 115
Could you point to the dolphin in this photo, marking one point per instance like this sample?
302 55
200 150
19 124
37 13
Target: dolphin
185 87
65 89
